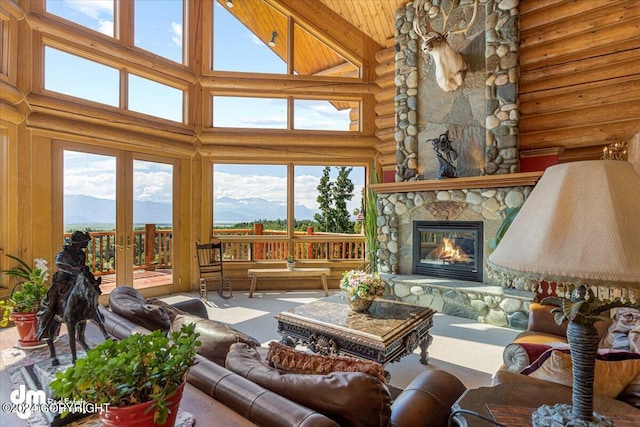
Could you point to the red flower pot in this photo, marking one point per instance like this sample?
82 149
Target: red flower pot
27 325
135 416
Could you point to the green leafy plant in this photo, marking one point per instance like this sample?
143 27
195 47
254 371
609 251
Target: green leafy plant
510 215
371 225
291 258
29 290
359 283
138 369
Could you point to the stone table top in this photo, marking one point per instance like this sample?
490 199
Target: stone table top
383 321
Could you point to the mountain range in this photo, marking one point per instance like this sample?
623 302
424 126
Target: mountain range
91 210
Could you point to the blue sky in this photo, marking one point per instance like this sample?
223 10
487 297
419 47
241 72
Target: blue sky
159 29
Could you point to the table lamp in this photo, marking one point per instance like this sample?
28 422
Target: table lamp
580 229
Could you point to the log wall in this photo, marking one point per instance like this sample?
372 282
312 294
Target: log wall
580 75
385 108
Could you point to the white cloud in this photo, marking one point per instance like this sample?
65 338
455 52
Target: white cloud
254 39
101 184
106 27
238 186
176 29
91 8
153 186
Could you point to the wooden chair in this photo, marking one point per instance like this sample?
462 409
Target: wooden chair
210 268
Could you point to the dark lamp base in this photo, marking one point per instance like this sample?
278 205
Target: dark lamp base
561 415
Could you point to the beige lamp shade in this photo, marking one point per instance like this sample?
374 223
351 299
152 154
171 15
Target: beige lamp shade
580 225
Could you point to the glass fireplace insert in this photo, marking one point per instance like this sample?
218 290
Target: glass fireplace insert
450 249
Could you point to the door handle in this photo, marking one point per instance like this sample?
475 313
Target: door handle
128 243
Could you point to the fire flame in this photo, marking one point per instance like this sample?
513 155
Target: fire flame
451 253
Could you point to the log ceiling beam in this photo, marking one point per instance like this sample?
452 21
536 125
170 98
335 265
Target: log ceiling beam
302 85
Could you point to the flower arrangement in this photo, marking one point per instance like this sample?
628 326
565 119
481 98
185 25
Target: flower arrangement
28 292
359 283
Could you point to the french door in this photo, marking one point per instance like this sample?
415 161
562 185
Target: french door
125 200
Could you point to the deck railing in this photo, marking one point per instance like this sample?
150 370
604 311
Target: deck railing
153 247
256 244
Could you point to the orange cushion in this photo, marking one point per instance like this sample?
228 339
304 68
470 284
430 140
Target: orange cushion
292 361
611 376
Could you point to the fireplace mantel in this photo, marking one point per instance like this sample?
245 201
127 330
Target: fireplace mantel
470 182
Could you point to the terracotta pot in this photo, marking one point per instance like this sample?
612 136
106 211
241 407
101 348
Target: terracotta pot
359 304
26 325
135 416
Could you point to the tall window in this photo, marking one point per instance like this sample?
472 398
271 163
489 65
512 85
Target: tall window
321 115
159 27
95 15
253 37
254 200
156 99
249 194
244 112
72 75
250 46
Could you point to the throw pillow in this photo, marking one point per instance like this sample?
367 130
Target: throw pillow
612 376
130 304
216 337
517 356
624 322
348 398
292 361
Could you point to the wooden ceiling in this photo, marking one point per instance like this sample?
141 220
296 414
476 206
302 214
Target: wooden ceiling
374 18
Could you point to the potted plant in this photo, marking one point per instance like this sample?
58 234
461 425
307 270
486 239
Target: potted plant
139 376
291 263
24 301
361 288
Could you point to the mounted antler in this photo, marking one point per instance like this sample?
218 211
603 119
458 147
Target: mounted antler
450 65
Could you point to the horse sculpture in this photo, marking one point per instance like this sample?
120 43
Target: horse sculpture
73 308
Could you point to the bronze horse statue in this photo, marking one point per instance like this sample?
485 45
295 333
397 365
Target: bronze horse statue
73 307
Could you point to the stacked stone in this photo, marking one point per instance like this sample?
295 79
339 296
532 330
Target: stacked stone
495 308
502 52
406 101
393 208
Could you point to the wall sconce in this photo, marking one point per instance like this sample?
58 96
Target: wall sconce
229 4
272 42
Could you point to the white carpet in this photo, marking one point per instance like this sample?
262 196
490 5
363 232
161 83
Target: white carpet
469 350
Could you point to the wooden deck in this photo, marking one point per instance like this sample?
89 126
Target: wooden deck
141 279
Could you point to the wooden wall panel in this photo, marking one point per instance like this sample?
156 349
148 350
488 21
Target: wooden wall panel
580 75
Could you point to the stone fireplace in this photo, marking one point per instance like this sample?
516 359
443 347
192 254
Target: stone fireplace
480 298
481 118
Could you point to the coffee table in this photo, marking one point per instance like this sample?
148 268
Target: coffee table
389 331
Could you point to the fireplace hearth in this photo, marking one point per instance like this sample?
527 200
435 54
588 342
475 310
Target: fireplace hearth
449 249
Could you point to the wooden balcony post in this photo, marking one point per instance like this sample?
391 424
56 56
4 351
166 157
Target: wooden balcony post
310 245
258 248
149 245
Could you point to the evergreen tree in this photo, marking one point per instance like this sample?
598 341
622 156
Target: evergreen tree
332 202
342 192
325 200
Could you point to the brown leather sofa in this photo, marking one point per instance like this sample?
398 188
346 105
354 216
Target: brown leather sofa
426 401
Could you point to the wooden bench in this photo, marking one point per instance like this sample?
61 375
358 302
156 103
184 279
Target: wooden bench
254 273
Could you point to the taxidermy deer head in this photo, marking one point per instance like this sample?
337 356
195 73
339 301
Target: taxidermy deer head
450 65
